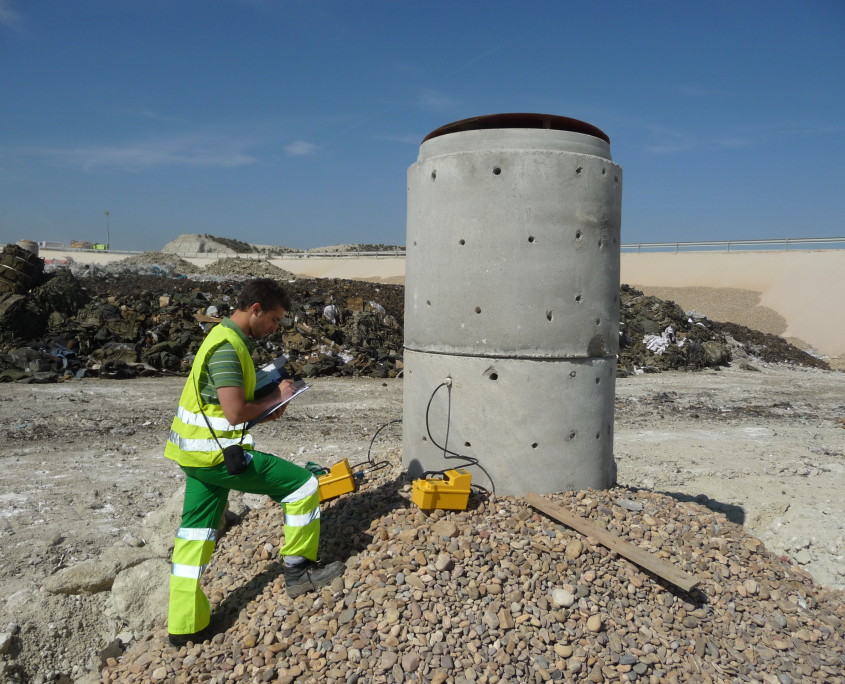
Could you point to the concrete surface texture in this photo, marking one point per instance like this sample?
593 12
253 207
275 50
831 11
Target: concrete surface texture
512 292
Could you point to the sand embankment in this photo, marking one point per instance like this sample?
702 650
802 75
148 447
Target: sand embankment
796 294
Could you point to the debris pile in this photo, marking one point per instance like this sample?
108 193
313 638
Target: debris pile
149 314
176 265
128 325
499 592
244 268
656 335
20 270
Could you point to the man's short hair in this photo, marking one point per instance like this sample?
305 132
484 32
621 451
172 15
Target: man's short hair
267 292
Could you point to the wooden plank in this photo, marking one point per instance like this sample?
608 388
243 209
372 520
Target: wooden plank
633 553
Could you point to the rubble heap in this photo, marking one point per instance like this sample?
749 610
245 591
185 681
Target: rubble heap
236 267
122 326
647 346
500 593
175 264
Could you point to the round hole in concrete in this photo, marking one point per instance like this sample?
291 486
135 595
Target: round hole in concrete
415 243
494 376
598 380
425 439
598 321
572 374
478 309
496 170
434 175
467 444
578 298
579 170
530 238
462 241
616 179
598 434
549 315
603 171
571 435
428 302
534 445
577 234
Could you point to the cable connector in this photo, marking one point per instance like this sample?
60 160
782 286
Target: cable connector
448 382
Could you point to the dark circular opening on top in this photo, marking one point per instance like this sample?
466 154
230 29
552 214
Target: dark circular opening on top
519 120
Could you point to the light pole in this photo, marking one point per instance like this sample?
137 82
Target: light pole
108 232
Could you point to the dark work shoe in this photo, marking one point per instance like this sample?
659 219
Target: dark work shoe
308 575
180 640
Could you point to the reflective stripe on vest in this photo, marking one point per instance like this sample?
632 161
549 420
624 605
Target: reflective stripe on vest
209 445
197 420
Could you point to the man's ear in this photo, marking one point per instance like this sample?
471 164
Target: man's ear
255 308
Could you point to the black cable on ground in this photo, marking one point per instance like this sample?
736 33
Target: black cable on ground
447 454
373 466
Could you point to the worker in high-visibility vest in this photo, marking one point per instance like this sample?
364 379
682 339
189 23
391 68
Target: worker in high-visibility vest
210 442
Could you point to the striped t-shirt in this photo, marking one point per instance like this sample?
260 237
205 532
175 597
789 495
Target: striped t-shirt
223 368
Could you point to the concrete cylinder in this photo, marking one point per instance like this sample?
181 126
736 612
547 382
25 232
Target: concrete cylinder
512 293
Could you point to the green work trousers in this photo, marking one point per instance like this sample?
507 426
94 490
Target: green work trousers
206 493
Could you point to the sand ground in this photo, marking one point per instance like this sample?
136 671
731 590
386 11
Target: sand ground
763 448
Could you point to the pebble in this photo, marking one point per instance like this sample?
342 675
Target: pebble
594 623
490 595
562 597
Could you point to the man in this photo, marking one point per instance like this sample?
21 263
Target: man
217 402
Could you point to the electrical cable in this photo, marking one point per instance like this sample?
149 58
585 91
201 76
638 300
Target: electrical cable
447 454
374 465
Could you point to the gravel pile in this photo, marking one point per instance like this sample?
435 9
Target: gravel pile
501 593
176 265
235 267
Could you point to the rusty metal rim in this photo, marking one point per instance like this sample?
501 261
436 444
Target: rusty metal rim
519 120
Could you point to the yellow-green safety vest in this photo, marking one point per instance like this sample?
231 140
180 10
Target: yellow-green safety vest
191 443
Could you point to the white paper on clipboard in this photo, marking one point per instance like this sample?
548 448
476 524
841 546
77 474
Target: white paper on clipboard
299 386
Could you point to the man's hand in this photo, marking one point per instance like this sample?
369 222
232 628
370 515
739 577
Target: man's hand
286 391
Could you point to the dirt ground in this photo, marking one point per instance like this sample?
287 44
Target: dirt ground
82 465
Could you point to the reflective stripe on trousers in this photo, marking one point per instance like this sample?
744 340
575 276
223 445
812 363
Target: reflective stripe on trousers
302 521
188 609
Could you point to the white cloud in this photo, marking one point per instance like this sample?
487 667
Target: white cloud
192 150
300 148
9 17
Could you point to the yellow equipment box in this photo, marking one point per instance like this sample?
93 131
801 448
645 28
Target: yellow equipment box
339 480
451 493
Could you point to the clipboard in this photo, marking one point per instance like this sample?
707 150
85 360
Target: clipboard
300 388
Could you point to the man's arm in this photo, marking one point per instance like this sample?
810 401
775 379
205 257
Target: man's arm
238 410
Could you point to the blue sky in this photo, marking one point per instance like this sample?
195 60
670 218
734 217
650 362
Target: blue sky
294 122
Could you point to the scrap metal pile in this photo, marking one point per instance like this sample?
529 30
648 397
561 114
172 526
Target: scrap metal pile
147 318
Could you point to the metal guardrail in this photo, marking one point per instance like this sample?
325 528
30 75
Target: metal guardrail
744 245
